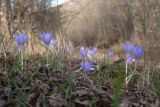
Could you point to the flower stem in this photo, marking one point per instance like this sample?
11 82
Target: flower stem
128 78
21 51
47 47
126 72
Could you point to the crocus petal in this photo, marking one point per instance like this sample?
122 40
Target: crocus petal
17 39
42 36
82 65
110 53
54 43
92 69
21 38
69 50
131 59
128 47
46 37
87 66
93 50
138 52
25 37
83 52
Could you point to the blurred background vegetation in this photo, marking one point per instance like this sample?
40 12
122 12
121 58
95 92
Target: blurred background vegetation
101 23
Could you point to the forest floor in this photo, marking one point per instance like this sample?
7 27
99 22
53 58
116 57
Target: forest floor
64 84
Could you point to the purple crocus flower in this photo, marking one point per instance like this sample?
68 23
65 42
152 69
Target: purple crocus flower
138 52
93 50
128 47
131 59
87 66
54 43
110 53
83 52
21 39
69 50
46 37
